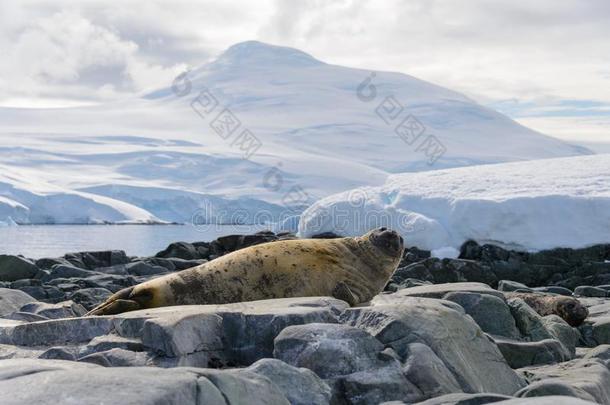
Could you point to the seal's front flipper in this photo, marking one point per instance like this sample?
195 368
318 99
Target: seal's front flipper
128 299
343 293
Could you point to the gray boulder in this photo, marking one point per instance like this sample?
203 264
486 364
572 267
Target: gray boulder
564 333
12 300
232 334
66 309
141 268
17 352
428 373
509 285
117 358
521 354
490 312
66 271
90 297
300 386
528 321
588 379
475 362
589 291
16 268
554 290
349 359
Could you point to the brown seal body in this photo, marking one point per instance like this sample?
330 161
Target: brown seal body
350 269
568 308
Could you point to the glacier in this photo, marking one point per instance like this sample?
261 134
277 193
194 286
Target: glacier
317 129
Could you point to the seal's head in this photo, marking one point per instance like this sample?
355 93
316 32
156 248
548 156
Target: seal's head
387 241
571 310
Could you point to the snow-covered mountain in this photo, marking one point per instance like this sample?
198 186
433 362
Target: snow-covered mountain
262 130
531 205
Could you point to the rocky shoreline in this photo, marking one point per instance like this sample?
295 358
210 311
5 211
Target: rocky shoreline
443 332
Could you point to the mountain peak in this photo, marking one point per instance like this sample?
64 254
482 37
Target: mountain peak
256 52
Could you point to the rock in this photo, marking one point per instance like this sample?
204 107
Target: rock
55 331
528 321
244 387
108 342
358 372
16 352
550 387
601 353
28 282
232 334
446 270
56 381
564 333
588 291
66 309
521 354
16 267
312 345
144 269
600 329
178 334
231 243
63 271
60 353
550 400
25 316
117 358
428 373
475 362
489 312
554 290
587 379
47 263
90 297
36 292
509 285
94 260
463 399
300 386
12 300
183 250
439 290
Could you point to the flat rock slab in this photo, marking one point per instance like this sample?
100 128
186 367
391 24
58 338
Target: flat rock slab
53 382
237 334
439 291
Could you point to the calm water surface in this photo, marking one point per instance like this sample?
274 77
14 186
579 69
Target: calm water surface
137 240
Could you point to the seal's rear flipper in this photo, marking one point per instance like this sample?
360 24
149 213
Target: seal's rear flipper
123 301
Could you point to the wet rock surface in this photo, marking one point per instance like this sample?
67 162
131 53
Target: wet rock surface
444 332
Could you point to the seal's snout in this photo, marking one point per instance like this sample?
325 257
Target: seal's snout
389 241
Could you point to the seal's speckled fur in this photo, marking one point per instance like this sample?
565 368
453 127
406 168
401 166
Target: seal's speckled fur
351 269
568 308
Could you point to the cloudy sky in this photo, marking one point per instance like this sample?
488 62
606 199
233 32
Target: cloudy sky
545 63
